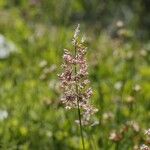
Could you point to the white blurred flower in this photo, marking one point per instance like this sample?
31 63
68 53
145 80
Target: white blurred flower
144 147
43 63
147 132
6 47
143 53
119 23
137 87
118 85
3 115
108 116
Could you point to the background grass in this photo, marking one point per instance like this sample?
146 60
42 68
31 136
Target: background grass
119 67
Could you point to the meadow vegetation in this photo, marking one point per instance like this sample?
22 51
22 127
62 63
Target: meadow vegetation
32 116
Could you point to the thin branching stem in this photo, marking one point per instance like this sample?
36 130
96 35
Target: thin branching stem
79 113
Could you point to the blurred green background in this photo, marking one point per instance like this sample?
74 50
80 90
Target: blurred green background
33 34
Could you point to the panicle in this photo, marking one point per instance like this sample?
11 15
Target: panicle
75 84
76 34
77 31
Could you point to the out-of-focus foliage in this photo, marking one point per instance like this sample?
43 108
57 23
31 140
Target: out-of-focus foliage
31 115
135 14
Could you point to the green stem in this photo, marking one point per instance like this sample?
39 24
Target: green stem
117 146
81 132
79 113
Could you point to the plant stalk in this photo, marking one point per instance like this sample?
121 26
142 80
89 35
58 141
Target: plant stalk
79 112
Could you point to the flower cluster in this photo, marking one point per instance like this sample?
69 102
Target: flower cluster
147 132
145 147
74 80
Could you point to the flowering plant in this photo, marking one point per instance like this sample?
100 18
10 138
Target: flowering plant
75 82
